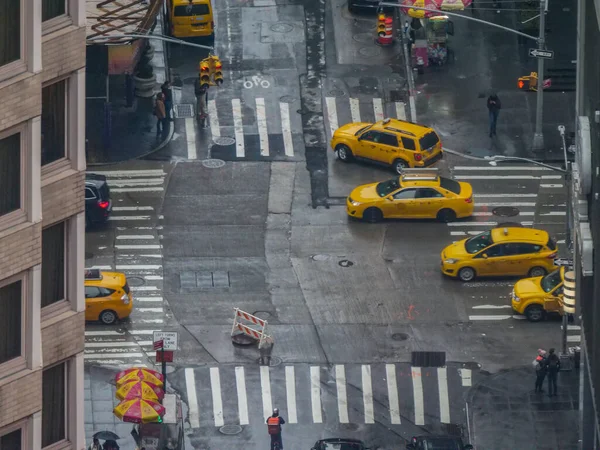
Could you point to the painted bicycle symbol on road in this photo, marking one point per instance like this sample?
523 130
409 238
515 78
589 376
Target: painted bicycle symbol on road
257 81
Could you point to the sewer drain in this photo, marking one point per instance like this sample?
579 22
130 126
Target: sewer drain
336 93
224 140
213 163
183 111
505 211
282 28
399 336
346 263
319 257
135 281
230 430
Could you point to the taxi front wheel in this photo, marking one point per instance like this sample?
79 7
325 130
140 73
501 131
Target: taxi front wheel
373 215
343 153
108 317
534 313
466 274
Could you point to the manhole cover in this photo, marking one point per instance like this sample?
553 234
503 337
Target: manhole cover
183 110
287 99
242 340
262 314
346 263
369 52
213 163
319 257
230 429
505 211
363 37
510 225
399 336
336 93
282 27
136 281
224 140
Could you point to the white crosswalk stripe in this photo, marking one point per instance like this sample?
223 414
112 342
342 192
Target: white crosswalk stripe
137 252
512 186
362 392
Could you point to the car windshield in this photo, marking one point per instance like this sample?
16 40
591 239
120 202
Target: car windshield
442 444
479 242
450 185
362 130
550 281
387 187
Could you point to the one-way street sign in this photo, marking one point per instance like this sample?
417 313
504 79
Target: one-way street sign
546 54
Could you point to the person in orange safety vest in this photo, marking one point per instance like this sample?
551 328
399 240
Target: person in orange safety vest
274 423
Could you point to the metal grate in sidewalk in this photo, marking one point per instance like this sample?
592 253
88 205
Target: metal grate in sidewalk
183 110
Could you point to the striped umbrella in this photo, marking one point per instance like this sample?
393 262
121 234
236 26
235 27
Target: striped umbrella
419 13
139 374
139 389
139 411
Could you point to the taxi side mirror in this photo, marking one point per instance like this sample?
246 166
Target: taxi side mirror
484 255
390 198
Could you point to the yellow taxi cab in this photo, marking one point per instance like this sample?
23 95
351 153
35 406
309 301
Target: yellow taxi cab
416 194
391 142
500 252
107 296
190 18
534 297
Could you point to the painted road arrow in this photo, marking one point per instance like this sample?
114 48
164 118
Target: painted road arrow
547 54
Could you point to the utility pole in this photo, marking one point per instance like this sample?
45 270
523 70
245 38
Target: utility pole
538 137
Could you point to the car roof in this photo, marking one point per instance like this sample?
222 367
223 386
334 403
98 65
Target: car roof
114 280
404 127
95 179
518 234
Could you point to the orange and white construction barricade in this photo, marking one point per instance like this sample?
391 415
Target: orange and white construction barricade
250 325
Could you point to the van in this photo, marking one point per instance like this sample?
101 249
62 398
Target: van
191 18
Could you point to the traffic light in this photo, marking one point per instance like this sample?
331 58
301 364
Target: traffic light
218 71
205 73
381 25
528 82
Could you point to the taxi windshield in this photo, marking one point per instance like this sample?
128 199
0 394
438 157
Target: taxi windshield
362 130
479 242
387 187
550 281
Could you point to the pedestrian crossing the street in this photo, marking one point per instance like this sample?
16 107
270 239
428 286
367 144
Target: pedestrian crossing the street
339 111
387 394
133 247
515 196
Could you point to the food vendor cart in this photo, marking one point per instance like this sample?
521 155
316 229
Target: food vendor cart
437 29
166 434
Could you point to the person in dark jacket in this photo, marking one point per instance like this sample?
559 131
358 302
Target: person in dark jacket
494 105
540 365
274 423
168 96
553 367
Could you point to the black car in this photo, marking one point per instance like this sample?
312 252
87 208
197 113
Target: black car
437 443
98 204
339 444
356 5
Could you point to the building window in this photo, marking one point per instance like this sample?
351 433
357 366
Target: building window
52 9
11 322
10 173
10 31
11 441
53 264
54 399
54 120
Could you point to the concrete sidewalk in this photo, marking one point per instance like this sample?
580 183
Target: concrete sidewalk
506 413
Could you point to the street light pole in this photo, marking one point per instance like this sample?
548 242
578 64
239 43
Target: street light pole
538 137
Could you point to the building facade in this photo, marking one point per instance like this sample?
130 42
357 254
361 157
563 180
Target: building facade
42 224
586 209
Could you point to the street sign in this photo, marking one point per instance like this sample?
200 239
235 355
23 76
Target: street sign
546 54
169 339
168 356
158 344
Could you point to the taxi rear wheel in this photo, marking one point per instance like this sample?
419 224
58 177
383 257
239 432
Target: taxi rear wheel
446 215
373 215
108 317
399 166
534 313
466 274
343 153
537 272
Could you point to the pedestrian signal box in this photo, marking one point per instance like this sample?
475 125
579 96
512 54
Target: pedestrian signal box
211 71
528 82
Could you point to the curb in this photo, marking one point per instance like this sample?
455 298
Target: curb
480 158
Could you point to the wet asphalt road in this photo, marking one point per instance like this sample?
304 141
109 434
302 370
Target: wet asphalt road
347 302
